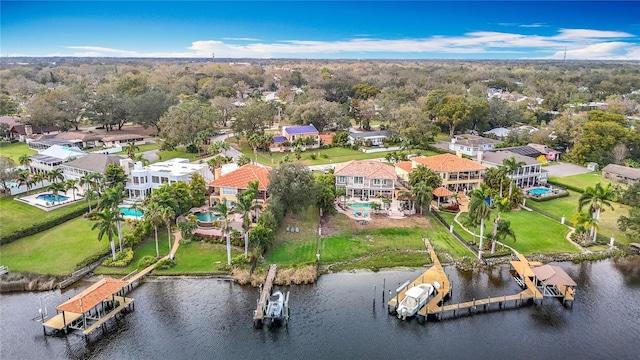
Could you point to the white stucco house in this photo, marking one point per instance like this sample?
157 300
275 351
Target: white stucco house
143 179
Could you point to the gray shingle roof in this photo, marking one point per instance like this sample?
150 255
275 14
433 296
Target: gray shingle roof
624 171
94 162
497 157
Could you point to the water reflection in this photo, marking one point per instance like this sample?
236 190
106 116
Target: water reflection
336 318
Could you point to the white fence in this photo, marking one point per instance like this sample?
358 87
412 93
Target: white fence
371 151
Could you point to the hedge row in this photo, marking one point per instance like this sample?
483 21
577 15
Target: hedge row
566 186
42 226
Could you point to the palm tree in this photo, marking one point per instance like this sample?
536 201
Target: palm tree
106 225
224 212
142 159
511 165
502 204
597 197
254 142
167 215
216 162
214 148
55 175
24 160
583 222
90 195
243 160
24 178
56 189
85 181
131 148
423 195
153 215
71 185
39 177
111 198
503 230
479 210
470 221
244 206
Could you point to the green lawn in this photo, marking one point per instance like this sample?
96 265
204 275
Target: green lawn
199 257
568 206
180 152
16 215
335 155
295 248
582 180
458 229
54 251
530 239
13 151
144 147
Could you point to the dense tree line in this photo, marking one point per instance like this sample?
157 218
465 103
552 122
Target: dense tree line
416 99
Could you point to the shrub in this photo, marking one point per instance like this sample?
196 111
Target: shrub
192 149
91 259
325 155
566 186
123 258
165 264
146 261
313 156
550 197
239 260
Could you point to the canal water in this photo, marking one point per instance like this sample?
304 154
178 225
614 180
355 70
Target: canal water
337 319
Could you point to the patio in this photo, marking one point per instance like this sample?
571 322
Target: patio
47 201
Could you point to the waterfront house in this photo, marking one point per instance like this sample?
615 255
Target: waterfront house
527 175
457 173
229 185
143 179
365 178
91 163
53 157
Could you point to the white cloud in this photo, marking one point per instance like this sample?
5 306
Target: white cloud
241 39
534 25
580 44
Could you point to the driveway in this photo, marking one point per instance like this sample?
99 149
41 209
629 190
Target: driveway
565 169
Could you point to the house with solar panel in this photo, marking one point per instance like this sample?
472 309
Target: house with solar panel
305 136
53 157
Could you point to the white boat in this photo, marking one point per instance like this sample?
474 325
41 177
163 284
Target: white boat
276 307
414 299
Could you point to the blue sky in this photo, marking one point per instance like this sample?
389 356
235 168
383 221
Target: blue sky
323 29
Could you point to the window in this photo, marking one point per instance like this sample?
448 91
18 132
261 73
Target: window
382 182
358 180
164 180
155 180
229 191
342 179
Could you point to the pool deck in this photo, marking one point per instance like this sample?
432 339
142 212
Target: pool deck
42 204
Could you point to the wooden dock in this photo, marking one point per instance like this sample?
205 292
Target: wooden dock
123 302
258 315
434 274
533 288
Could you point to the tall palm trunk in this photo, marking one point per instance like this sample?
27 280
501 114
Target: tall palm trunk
119 234
228 248
481 237
246 244
155 227
169 235
595 231
113 249
495 231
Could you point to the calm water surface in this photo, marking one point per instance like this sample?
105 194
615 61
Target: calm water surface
336 319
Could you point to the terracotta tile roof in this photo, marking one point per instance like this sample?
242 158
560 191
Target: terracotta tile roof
368 168
448 163
404 165
92 296
240 178
441 192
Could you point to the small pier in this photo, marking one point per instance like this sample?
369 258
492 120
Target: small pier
258 315
537 281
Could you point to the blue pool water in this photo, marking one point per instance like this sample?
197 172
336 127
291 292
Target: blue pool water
539 191
207 216
52 198
360 206
125 211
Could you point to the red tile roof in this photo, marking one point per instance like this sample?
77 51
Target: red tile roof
92 296
369 168
448 163
404 165
442 192
240 178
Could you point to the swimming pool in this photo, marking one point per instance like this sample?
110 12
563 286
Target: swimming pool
52 198
539 191
206 216
360 206
125 211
